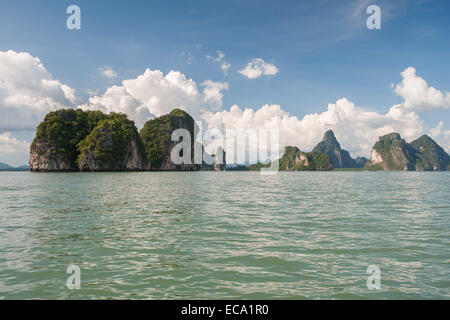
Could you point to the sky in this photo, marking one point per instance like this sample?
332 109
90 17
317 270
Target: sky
299 66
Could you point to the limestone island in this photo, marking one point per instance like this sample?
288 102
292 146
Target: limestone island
77 140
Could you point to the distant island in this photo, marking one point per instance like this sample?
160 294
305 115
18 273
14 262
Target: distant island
390 153
77 140
7 167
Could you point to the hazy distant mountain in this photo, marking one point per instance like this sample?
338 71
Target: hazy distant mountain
7 167
4 166
361 161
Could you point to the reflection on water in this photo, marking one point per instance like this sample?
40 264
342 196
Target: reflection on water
203 235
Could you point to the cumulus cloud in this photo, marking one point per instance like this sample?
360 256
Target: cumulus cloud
258 67
10 145
107 72
441 135
357 129
213 95
28 91
154 94
436 132
418 96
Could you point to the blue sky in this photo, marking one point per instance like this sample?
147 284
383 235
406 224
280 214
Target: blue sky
322 49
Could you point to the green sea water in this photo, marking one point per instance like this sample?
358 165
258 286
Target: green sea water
232 235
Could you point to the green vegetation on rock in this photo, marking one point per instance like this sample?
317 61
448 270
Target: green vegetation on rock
391 152
72 139
395 153
288 159
295 160
319 161
257 166
66 136
110 142
156 135
429 155
339 158
64 130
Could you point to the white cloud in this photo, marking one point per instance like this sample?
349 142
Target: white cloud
258 67
154 94
418 96
442 136
446 141
213 95
28 92
10 145
224 66
218 58
107 72
436 132
357 129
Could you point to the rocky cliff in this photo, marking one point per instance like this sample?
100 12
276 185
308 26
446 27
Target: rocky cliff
295 160
220 162
156 137
72 140
391 152
44 156
430 156
113 145
340 158
76 140
55 147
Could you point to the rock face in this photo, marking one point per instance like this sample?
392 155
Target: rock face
295 160
340 158
72 140
45 157
430 156
55 147
76 140
113 145
156 137
391 152
220 161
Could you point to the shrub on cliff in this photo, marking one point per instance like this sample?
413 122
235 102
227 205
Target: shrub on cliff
156 135
64 129
295 160
108 145
98 141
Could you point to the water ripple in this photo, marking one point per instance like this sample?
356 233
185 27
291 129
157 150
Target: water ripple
233 235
